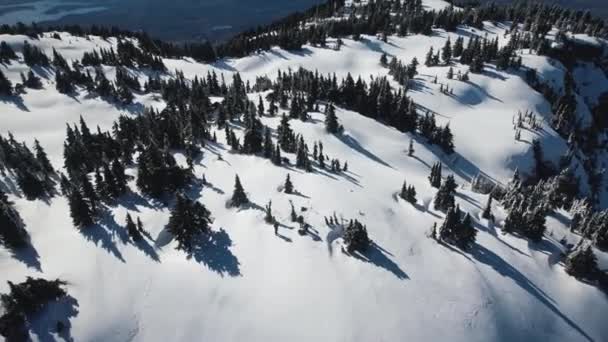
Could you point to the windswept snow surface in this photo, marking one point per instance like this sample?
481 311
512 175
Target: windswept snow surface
248 284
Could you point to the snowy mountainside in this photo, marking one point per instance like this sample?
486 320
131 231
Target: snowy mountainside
244 281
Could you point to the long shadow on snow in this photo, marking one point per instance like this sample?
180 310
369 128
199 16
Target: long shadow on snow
213 250
133 200
354 144
45 322
373 45
376 255
16 100
105 232
489 258
460 165
29 256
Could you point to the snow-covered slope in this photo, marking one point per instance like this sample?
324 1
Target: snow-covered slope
250 284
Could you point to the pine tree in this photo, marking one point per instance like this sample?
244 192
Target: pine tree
403 193
410 151
89 193
355 237
42 158
268 210
12 233
140 226
6 86
466 234
288 185
239 197
435 177
331 120
383 59
32 81
445 196
268 148
302 160
118 171
81 213
293 215
446 52
285 135
429 58
188 219
276 157
411 194
487 212
582 263
450 74
458 47
261 109
456 231
132 229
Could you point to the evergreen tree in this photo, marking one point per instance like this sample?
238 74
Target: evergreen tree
383 59
429 58
140 226
293 215
458 47
188 219
261 109
302 160
446 52
42 158
450 74
403 193
288 185
444 199
89 193
12 233
80 211
6 86
582 263
435 177
239 197
132 229
268 217
456 231
276 157
410 150
487 212
285 135
331 120
120 178
355 237
411 194
268 146
32 81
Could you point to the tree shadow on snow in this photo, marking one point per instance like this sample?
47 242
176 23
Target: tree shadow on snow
489 258
45 324
15 100
105 234
354 144
213 251
132 200
377 256
283 237
29 256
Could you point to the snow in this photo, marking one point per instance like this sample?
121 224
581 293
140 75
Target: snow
253 285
